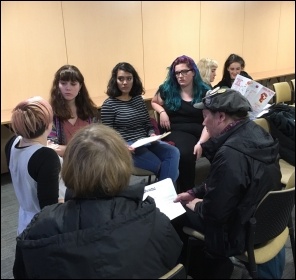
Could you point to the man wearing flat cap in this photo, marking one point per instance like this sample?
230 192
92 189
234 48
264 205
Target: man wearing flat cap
244 167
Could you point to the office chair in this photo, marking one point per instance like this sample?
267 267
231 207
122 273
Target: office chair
289 185
293 90
178 272
267 230
287 169
282 93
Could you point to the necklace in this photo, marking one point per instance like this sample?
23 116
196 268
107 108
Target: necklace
25 143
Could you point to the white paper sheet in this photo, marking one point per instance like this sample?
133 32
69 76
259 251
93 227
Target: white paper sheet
257 94
147 140
164 194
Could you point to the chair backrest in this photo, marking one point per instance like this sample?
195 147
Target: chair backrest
282 92
263 123
272 214
291 182
178 272
293 90
293 84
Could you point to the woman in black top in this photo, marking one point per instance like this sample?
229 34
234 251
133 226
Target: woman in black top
233 65
174 102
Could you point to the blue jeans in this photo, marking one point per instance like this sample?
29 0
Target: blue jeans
159 157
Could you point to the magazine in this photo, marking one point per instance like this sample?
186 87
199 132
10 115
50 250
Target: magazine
164 194
150 139
257 94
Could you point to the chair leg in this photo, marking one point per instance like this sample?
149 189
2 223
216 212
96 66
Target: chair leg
149 180
292 238
188 253
250 249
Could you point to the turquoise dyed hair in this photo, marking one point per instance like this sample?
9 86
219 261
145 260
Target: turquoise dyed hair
171 88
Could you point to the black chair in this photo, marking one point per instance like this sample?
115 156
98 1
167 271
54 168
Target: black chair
143 172
178 272
267 233
289 185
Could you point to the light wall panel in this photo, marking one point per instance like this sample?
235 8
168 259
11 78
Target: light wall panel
170 29
38 37
286 37
100 34
32 47
221 32
261 35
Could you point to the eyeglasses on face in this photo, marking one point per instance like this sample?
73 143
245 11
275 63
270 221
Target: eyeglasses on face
182 72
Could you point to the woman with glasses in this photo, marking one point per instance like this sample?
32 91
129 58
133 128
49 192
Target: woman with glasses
126 112
174 103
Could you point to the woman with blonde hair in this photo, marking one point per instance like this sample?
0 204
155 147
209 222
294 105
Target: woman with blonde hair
106 230
207 68
34 168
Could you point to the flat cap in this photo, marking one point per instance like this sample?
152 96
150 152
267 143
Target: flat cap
224 100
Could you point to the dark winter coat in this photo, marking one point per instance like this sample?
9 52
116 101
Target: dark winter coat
104 237
244 167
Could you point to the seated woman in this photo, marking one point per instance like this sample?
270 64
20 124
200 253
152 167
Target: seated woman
126 112
174 103
105 231
207 68
233 65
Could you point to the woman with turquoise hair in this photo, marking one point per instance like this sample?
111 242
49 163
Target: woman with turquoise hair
174 103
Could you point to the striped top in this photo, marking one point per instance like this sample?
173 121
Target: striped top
129 118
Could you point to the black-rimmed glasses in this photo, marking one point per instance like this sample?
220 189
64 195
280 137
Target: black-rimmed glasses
182 72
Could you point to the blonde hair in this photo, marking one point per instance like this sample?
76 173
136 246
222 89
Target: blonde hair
97 162
205 66
30 118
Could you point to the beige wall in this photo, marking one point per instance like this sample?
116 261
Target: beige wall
39 37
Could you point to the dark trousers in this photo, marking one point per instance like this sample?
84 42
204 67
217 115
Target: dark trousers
185 142
202 265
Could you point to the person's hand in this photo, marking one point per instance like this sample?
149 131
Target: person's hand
131 149
164 121
61 150
191 204
52 145
184 198
197 150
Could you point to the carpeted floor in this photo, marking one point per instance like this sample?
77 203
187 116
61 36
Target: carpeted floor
9 216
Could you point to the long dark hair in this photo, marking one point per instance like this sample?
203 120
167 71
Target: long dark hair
86 108
231 59
112 88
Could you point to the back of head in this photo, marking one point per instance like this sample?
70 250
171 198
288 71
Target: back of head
30 118
96 162
205 66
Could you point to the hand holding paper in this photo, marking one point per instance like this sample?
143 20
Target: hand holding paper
147 140
257 94
164 194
